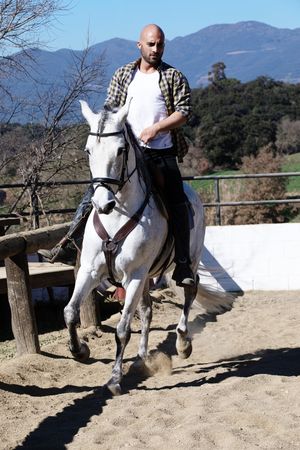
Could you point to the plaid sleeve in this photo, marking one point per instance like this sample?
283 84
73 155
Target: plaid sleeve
115 90
118 86
181 94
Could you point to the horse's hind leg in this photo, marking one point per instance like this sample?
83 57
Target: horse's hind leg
183 342
83 286
145 310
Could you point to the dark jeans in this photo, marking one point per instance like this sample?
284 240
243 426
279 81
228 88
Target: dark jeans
167 179
166 175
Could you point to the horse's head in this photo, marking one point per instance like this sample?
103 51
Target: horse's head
108 152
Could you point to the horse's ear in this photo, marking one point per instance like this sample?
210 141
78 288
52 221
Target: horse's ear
123 112
86 111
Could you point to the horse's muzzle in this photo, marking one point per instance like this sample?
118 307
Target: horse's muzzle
106 209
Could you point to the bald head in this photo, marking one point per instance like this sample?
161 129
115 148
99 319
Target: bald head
151 30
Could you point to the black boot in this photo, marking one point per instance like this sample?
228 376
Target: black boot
66 250
183 274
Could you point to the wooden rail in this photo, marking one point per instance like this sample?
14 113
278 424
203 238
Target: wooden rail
43 274
7 222
20 278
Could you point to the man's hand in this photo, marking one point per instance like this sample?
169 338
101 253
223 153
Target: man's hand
149 133
175 120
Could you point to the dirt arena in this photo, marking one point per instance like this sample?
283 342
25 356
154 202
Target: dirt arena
238 390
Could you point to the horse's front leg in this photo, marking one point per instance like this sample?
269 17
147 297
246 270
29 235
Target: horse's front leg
145 310
133 293
83 286
183 342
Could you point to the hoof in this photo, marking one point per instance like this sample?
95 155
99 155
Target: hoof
138 364
83 354
184 351
183 344
114 388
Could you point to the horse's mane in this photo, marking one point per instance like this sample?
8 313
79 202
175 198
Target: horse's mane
103 118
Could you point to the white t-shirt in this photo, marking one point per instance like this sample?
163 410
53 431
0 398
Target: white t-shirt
147 107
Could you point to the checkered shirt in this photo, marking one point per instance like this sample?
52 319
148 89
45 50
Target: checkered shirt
175 90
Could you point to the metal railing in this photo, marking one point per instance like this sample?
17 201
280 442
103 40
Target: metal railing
217 203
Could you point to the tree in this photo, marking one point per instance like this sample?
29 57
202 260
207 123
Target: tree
288 135
237 119
54 151
55 106
258 189
20 24
217 73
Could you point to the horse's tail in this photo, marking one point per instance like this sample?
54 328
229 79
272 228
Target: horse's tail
211 299
214 300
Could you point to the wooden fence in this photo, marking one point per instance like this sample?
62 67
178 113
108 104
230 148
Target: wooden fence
14 249
217 204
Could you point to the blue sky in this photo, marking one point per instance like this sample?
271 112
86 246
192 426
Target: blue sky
105 19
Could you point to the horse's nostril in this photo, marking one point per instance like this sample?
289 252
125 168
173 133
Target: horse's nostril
105 209
109 207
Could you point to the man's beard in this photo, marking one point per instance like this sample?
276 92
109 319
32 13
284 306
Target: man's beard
153 60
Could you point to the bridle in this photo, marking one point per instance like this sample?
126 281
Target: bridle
106 182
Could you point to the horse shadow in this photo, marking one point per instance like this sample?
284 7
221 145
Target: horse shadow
276 362
57 431
283 362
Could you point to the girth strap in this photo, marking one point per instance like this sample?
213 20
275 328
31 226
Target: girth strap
111 245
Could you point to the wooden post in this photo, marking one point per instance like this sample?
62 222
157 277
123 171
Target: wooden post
89 312
3 224
22 313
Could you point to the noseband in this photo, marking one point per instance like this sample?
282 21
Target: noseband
107 181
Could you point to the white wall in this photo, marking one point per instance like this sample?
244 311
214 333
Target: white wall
252 257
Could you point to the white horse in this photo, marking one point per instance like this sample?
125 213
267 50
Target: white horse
125 237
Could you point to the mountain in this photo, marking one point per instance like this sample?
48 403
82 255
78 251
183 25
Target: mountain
249 49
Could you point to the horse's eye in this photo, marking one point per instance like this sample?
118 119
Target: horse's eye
87 150
120 151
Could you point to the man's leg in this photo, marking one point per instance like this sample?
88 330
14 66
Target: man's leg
183 274
66 249
174 195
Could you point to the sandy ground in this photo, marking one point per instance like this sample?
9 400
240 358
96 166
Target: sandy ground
238 390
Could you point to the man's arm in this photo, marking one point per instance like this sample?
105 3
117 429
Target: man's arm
175 120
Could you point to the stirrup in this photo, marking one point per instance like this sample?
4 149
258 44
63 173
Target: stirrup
48 255
59 254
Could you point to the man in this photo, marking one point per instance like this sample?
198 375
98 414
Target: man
159 104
